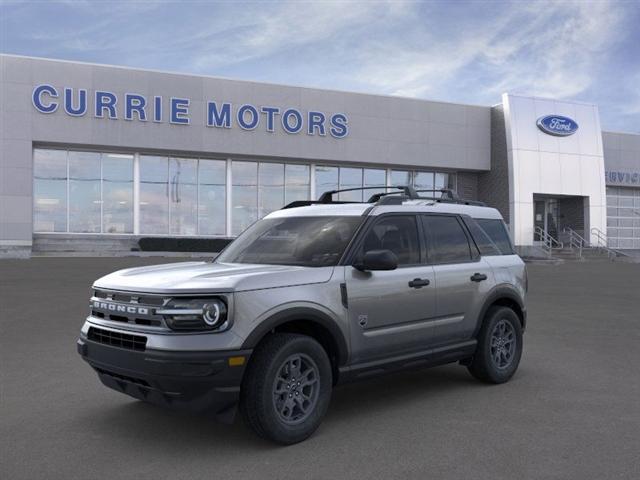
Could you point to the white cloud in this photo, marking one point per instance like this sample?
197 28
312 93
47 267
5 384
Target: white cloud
261 32
546 49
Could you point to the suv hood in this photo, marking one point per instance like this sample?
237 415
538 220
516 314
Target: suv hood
206 277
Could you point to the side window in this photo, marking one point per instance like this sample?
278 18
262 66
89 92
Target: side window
448 241
497 232
398 234
482 240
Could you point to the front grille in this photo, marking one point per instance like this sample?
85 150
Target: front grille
117 339
129 308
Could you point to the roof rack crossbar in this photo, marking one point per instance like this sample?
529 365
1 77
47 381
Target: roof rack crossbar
327 197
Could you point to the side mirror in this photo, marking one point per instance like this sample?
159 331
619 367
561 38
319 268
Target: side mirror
377 260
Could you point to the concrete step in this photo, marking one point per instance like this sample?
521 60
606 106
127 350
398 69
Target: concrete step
588 254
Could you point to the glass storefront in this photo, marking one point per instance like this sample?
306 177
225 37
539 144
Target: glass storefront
623 217
94 192
82 192
212 197
117 193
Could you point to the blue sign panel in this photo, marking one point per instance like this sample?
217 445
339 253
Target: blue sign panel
136 107
557 125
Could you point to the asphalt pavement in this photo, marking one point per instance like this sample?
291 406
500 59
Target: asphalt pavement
571 412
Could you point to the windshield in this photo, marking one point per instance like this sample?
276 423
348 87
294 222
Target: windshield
302 241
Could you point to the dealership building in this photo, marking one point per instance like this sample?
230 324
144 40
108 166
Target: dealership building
96 158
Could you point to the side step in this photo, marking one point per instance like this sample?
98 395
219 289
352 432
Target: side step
425 358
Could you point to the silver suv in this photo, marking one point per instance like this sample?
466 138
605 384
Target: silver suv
316 294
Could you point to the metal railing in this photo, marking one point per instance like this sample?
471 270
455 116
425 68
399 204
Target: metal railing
548 242
603 245
576 241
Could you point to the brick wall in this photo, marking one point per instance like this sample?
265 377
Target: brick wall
467 187
493 186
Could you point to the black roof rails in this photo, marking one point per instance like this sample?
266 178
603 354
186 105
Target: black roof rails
327 197
401 194
452 197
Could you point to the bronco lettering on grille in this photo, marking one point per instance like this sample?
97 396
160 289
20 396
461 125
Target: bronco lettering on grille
115 307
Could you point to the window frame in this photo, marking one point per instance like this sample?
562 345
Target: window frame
351 253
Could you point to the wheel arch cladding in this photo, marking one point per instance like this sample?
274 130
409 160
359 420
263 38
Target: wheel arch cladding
306 321
504 296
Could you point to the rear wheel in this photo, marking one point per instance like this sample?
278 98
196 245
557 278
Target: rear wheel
287 388
499 346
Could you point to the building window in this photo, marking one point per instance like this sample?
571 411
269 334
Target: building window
183 196
244 195
444 180
154 195
296 183
212 198
85 203
350 178
270 188
93 192
117 193
50 190
326 179
99 188
374 178
400 178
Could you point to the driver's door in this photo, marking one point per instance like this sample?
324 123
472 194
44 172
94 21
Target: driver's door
389 311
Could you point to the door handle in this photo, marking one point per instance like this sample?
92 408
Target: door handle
478 277
419 283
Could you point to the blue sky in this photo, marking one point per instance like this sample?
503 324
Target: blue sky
459 51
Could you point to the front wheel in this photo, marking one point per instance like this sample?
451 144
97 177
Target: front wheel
499 346
287 388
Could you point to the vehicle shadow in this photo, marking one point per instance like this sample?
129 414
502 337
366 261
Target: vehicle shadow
368 398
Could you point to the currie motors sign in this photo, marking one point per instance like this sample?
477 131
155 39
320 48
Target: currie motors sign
131 106
557 125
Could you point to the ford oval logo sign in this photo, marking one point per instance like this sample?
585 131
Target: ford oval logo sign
557 125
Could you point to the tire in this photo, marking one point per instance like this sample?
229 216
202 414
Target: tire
274 406
499 346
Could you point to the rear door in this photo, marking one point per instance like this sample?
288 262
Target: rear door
462 277
390 312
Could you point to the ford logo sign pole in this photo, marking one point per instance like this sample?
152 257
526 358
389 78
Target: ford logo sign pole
557 125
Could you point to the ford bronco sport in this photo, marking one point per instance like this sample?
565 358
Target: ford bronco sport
318 293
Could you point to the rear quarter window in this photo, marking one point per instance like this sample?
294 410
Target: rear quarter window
496 230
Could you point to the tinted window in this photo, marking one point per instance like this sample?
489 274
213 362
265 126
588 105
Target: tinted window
448 242
398 234
303 241
498 233
482 240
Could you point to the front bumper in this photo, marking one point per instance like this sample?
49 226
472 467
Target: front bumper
195 381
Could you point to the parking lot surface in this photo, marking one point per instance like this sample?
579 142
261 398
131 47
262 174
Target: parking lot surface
571 412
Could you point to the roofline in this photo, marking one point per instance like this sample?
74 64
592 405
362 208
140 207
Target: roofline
620 132
549 99
199 75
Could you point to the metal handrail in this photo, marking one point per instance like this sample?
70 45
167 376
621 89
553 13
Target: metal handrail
603 244
576 241
548 241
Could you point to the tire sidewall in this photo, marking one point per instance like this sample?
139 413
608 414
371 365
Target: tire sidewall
277 429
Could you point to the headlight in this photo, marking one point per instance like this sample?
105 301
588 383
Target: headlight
196 314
